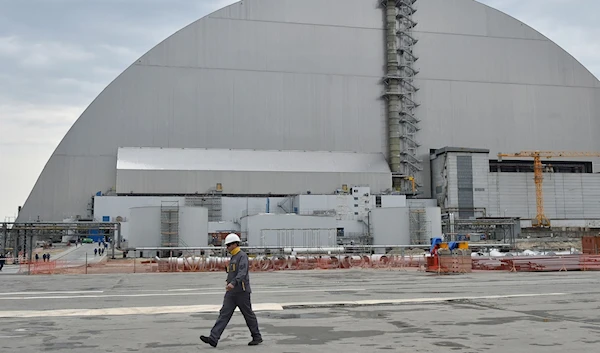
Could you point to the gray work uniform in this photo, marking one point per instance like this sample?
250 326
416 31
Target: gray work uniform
239 296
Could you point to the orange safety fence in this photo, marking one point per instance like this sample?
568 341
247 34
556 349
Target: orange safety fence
315 262
219 264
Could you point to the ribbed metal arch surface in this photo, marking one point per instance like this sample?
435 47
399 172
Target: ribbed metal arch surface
249 160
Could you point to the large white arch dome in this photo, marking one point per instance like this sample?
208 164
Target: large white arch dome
306 75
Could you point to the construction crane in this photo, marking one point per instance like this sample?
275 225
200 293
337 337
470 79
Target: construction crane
540 219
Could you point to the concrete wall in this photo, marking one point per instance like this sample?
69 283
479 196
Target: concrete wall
223 226
144 227
392 201
566 196
391 226
421 203
234 208
114 206
290 230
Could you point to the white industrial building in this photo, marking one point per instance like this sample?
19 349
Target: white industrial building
315 221
473 184
284 106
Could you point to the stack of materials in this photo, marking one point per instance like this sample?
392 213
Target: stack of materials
456 261
539 263
590 245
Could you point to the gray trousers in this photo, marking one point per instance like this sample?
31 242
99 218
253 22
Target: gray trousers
230 302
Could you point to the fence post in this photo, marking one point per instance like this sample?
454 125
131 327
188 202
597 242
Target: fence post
134 259
86 262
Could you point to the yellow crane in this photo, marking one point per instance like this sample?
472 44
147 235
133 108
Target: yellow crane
540 219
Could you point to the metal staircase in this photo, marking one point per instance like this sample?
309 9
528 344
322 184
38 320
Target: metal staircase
169 223
403 125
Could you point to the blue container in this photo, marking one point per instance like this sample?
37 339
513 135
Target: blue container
96 238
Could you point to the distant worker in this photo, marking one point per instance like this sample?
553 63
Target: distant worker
37 257
237 295
2 261
44 257
95 251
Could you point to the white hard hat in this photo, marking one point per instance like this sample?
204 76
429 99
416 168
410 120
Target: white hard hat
232 238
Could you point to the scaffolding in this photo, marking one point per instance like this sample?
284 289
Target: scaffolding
400 92
213 202
169 223
501 230
419 225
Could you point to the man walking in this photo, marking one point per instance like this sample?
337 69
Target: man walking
237 295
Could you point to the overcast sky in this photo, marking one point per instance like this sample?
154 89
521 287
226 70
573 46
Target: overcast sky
57 55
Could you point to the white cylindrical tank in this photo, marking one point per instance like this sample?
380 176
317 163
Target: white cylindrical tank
434 221
144 227
193 226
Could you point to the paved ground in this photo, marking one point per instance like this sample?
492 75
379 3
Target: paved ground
79 254
72 254
480 312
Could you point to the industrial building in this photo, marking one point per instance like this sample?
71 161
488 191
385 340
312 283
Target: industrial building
315 122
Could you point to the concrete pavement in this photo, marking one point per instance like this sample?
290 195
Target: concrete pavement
74 256
305 311
78 254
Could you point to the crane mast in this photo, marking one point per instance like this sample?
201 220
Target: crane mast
540 219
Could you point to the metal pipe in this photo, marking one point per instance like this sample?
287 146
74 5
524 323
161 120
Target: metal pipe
300 249
312 250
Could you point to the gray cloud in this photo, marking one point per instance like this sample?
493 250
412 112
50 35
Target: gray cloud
68 50
56 56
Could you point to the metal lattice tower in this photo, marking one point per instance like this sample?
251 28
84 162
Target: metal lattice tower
419 225
169 223
400 94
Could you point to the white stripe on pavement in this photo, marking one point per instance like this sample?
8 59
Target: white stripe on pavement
188 309
222 292
412 300
151 310
62 292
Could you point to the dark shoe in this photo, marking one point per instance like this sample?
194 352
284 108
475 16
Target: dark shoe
255 342
208 340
